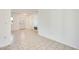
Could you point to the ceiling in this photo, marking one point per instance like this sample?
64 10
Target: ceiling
17 11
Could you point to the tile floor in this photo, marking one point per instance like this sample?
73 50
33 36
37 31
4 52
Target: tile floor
30 40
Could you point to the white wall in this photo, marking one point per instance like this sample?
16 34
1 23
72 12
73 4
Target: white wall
5 28
60 25
35 20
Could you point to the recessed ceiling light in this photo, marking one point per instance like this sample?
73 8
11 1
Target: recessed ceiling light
11 18
24 14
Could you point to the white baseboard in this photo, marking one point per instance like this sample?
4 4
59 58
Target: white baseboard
55 39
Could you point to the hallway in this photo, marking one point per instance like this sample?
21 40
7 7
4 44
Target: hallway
30 40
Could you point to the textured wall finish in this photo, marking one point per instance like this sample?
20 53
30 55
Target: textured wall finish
5 28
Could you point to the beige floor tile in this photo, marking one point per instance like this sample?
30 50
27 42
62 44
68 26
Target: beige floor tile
30 40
